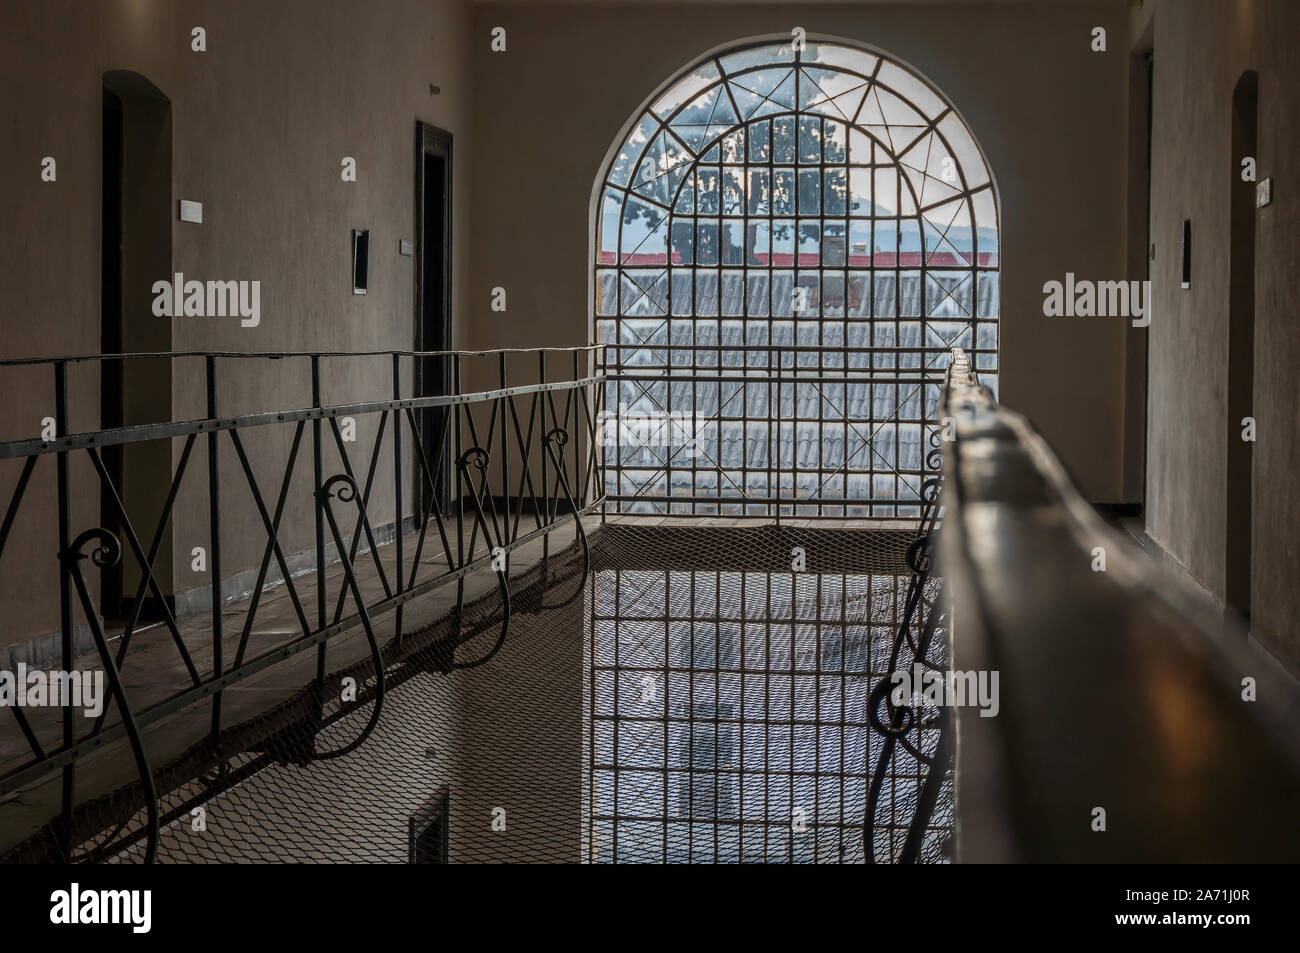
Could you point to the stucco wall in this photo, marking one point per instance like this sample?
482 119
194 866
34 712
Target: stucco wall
260 123
261 120
1049 113
1201 50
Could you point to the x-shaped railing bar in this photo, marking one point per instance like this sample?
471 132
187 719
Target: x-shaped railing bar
28 734
525 443
431 485
478 492
154 547
15 499
362 522
108 552
477 445
558 462
146 563
347 492
272 525
478 457
590 415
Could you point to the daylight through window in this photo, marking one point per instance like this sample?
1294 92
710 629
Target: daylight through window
789 243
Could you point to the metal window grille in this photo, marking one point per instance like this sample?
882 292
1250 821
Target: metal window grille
729 718
789 243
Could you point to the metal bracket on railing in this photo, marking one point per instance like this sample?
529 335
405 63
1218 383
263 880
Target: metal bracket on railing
346 493
105 555
894 721
480 458
560 436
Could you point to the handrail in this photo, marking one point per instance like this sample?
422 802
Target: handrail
512 426
276 355
1123 732
139 433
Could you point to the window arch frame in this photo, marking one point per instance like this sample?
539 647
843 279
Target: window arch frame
975 182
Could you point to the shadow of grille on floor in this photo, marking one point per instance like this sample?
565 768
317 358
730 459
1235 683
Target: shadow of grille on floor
664 711
251 742
730 712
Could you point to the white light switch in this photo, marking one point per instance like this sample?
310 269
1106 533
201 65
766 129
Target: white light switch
191 211
1263 193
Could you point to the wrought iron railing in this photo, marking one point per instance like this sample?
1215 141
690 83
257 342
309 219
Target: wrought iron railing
1130 726
760 423
771 430
1124 724
920 643
503 457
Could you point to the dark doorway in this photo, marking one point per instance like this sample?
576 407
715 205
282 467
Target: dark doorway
1241 343
136 244
1139 268
433 303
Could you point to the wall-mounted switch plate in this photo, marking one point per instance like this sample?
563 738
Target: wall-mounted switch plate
406 247
1263 193
360 260
1187 253
191 212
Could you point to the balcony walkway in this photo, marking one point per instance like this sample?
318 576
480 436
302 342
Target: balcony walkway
515 732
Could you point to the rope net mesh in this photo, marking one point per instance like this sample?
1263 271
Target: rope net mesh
701 694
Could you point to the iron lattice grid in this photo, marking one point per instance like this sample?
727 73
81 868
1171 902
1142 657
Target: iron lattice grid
762 176
729 719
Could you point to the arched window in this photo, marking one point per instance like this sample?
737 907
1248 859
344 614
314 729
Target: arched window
813 223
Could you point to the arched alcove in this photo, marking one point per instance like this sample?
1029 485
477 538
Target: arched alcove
136 251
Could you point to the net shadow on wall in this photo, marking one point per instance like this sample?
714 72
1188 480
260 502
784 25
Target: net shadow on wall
788 243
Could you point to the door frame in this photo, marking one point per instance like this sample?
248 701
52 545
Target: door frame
431 141
136 392
1239 496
